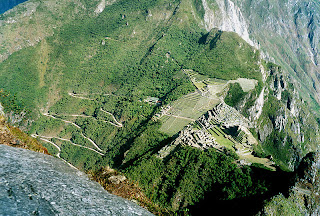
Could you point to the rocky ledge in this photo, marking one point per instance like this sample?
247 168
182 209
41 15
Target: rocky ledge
36 184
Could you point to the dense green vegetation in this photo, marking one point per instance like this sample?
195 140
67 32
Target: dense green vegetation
199 7
10 102
128 65
23 85
234 95
87 84
184 178
226 56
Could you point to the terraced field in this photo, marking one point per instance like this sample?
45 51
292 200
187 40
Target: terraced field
185 110
190 107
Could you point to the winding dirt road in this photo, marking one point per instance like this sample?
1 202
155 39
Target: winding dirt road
118 123
74 124
68 122
46 138
55 145
76 96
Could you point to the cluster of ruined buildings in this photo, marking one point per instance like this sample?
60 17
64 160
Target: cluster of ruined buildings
226 116
199 137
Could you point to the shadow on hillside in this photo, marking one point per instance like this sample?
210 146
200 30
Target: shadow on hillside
277 182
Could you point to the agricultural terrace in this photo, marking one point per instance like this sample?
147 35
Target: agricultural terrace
191 106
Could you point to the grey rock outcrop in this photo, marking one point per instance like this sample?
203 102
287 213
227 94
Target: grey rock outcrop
38 184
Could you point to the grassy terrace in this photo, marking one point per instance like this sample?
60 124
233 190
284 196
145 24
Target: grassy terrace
185 110
191 106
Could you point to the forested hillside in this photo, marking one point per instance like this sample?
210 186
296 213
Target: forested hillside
143 87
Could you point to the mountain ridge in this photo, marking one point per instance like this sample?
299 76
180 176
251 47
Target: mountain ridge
116 85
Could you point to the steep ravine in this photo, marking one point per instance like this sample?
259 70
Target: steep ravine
286 31
277 181
303 197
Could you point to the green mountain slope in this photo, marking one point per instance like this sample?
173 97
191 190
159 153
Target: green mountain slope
125 83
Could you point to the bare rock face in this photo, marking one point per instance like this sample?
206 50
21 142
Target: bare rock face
36 184
100 7
225 15
289 32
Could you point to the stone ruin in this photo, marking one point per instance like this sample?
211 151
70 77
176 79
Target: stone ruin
228 116
222 114
196 138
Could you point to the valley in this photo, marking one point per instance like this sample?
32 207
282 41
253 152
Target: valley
184 105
